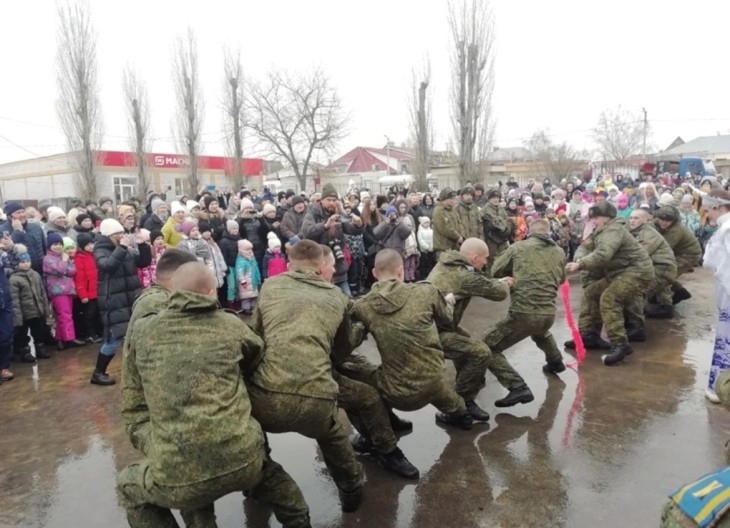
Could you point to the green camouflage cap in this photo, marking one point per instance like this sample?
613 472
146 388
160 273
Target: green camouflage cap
668 212
446 193
605 209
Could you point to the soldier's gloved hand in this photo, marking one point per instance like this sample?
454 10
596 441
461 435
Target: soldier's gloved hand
449 297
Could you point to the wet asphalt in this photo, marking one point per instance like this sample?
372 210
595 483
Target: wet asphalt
601 447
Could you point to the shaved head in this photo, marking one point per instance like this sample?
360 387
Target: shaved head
194 277
169 262
306 254
474 246
639 217
539 227
388 261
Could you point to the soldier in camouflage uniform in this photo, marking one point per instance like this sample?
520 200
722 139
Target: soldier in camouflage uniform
198 435
705 502
537 265
665 273
403 318
470 224
684 244
462 274
303 317
627 274
446 227
497 227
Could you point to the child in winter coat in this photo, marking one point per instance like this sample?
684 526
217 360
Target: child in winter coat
193 242
147 276
410 263
217 263
244 280
86 281
60 270
30 309
274 259
425 244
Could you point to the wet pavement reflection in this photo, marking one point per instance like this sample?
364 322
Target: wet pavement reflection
602 447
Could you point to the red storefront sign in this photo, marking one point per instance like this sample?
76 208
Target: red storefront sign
110 158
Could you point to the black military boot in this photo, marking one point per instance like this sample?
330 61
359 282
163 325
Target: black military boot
681 295
521 394
635 333
553 368
477 413
462 420
362 445
398 424
350 500
660 312
41 352
396 462
590 340
617 354
100 377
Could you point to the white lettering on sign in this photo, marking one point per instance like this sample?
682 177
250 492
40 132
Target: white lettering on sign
171 161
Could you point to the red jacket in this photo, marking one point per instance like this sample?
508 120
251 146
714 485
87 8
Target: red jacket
86 275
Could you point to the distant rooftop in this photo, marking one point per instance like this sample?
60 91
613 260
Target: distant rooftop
704 145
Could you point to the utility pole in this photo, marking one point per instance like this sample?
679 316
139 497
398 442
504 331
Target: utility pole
646 125
236 115
387 153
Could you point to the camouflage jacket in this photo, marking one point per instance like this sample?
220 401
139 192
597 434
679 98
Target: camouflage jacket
683 242
616 252
453 274
538 267
470 224
655 246
301 319
586 276
446 229
403 318
496 225
187 367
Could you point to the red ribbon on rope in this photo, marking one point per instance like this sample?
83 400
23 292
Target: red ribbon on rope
580 349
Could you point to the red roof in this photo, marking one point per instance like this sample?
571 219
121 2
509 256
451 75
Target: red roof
362 159
112 158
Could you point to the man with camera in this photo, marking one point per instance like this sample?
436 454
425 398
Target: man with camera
324 224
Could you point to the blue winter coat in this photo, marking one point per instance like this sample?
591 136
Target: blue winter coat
33 237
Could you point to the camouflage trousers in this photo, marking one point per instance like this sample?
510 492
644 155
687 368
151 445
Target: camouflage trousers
366 411
660 287
314 418
683 266
438 393
495 250
471 359
604 301
510 331
148 503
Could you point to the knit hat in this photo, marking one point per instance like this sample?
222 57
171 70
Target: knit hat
203 227
109 227
68 243
54 238
274 241
230 224
208 200
188 226
191 204
293 240
81 217
604 209
296 200
391 210
105 199
24 256
156 204
666 199
290 193
176 207
446 193
491 193
84 239
281 195
12 207
154 235
423 221
329 191
246 204
268 208
668 212
54 213
687 198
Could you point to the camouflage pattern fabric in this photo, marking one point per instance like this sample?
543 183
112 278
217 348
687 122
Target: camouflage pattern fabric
497 230
665 267
470 224
446 227
684 244
615 252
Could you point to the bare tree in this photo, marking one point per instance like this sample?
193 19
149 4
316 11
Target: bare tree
294 115
472 71
421 125
138 121
556 160
619 134
78 104
233 101
189 97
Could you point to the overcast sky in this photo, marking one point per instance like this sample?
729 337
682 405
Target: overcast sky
559 64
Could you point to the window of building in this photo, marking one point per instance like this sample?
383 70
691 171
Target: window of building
404 169
124 188
179 186
376 167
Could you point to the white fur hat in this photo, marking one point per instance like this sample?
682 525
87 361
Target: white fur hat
176 207
109 227
274 241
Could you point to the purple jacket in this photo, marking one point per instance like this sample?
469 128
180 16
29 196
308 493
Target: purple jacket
59 275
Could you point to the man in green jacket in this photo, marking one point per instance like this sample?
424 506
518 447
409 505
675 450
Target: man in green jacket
665 273
461 274
684 244
302 318
497 227
403 318
446 227
537 265
470 225
199 438
627 274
